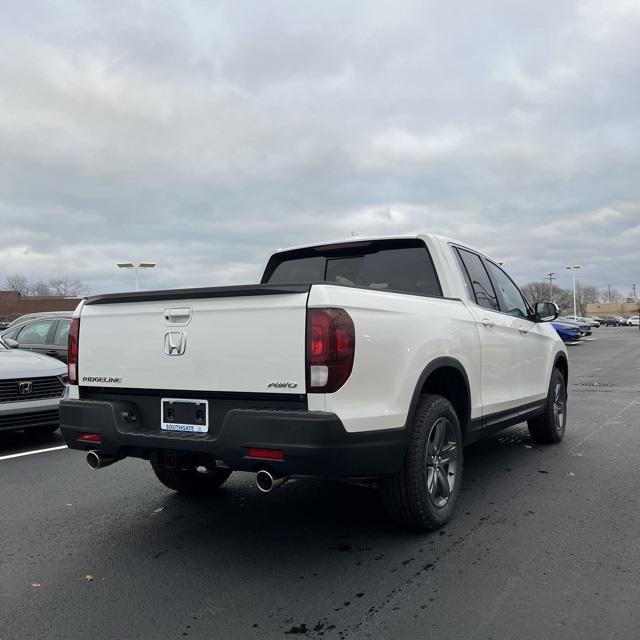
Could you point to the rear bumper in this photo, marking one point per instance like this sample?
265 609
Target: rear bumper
313 442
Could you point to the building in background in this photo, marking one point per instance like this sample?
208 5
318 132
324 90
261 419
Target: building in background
12 305
612 308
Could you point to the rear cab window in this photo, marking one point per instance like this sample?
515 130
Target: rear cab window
403 266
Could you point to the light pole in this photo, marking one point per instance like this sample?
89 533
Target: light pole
136 268
551 278
573 273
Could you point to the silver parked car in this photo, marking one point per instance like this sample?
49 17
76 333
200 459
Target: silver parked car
31 386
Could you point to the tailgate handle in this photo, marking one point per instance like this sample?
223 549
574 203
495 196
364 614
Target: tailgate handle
178 315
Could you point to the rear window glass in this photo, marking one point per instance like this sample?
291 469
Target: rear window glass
299 270
404 266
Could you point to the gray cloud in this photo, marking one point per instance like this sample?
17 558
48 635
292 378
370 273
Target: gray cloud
202 135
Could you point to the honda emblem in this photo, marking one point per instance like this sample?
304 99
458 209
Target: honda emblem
175 343
25 388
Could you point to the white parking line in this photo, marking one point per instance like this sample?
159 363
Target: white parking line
30 453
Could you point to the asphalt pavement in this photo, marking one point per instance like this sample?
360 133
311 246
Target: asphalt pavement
545 542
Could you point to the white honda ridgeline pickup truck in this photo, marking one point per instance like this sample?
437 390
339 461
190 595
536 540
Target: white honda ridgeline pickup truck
372 360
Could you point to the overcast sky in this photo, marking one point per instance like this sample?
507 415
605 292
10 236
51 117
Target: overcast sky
201 135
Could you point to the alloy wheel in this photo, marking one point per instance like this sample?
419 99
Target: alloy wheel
442 462
559 407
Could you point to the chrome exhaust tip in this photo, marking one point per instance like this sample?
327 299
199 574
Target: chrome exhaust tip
267 482
98 461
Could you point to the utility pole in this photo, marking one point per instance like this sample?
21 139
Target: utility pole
609 297
633 286
551 278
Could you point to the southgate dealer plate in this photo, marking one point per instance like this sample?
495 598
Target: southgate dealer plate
179 414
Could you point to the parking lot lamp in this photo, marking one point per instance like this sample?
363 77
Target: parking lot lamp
136 268
573 273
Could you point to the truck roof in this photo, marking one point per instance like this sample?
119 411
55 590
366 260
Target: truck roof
401 236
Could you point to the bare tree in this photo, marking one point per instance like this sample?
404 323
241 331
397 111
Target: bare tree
39 288
586 294
54 287
612 295
536 291
66 287
541 292
18 283
564 299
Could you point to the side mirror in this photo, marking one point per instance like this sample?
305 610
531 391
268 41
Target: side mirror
11 343
546 311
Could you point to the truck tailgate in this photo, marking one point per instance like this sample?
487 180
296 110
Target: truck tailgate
242 339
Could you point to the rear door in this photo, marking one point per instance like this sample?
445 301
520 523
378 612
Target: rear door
501 373
532 341
60 339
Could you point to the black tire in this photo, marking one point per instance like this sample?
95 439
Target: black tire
194 481
416 496
549 426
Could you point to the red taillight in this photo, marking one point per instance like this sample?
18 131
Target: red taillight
90 437
72 352
331 341
270 454
319 335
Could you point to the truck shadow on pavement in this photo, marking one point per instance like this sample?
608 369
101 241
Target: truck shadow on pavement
333 516
21 441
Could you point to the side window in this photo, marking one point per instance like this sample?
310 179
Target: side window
11 334
62 332
477 279
512 301
35 333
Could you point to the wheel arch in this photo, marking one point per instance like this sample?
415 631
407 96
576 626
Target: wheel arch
447 377
561 362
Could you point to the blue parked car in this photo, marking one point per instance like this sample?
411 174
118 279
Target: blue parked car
567 332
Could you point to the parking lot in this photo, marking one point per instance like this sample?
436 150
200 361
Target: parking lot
544 543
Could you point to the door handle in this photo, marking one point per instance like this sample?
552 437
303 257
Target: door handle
487 323
523 330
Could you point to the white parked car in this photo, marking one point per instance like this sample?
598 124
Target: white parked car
31 386
370 360
633 321
592 322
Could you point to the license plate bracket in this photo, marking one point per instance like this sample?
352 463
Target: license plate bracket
184 414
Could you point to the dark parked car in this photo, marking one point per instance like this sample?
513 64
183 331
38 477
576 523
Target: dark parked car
46 334
612 321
